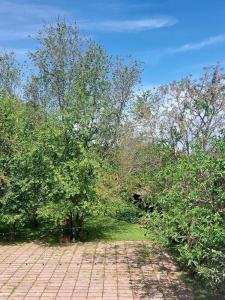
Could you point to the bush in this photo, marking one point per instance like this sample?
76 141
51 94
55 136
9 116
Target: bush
192 218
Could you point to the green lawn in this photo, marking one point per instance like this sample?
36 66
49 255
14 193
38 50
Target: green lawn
109 229
98 229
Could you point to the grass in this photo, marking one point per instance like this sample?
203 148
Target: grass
95 229
109 229
23 235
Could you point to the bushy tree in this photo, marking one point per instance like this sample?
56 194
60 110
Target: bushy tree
71 176
12 205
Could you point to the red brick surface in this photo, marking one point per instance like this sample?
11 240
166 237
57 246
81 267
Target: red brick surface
114 270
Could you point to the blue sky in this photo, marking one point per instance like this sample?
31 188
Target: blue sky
172 37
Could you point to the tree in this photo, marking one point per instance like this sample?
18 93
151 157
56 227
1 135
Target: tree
75 74
12 208
125 77
196 110
10 72
69 188
55 58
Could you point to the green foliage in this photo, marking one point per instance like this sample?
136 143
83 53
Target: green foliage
10 72
192 214
128 212
49 144
12 124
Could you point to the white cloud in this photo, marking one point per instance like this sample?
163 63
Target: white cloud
130 25
153 57
21 9
214 40
18 19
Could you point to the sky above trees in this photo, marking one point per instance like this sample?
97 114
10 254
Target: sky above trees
173 38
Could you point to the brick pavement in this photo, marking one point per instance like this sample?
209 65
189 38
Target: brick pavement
114 270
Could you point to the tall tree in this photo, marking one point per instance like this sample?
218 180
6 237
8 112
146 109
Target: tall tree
54 59
10 72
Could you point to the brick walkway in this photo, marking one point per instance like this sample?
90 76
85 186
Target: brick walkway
115 270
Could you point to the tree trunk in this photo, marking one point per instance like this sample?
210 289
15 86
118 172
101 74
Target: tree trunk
78 223
12 229
34 220
70 227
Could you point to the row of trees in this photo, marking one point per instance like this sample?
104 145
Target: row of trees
76 140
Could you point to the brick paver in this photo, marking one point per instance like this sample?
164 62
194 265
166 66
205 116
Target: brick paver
114 270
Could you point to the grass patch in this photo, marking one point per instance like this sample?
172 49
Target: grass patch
109 229
25 234
95 229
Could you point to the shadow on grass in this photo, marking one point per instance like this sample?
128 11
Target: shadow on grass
25 234
108 229
99 229
22 236
104 229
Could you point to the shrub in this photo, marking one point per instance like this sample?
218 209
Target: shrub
192 218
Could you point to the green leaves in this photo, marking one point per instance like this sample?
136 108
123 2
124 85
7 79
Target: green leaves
192 217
